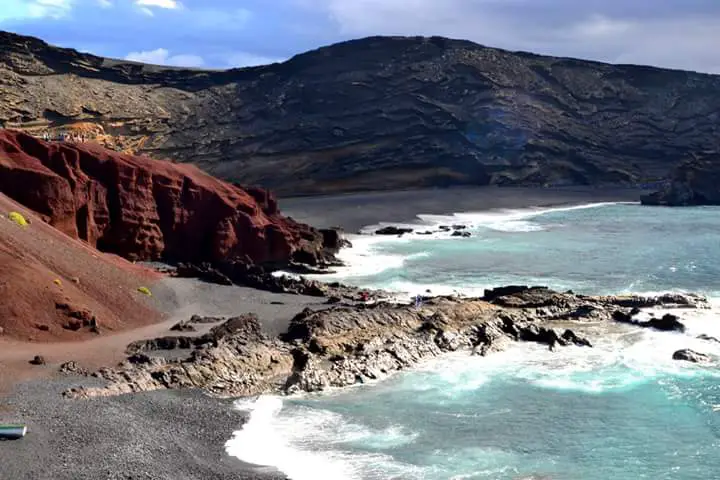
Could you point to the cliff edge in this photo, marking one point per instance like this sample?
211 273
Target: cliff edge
144 209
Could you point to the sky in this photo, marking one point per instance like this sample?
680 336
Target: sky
681 34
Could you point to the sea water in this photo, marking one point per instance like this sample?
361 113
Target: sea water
622 410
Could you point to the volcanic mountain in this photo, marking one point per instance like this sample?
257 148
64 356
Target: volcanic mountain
376 113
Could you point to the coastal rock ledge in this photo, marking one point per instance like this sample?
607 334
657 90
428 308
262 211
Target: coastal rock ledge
342 346
695 182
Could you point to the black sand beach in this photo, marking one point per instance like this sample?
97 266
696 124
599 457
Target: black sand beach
356 210
173 435
162 435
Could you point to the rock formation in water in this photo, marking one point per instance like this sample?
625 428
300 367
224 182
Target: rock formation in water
145 209
691 356
375 113
695 182
342 346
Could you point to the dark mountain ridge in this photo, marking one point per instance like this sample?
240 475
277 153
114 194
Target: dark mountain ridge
376 113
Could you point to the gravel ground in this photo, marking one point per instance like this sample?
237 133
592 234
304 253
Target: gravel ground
168 435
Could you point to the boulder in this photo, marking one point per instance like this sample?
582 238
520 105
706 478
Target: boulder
333 238
184 326
708 338
73 324
390 230
72 368
204 271
38 360
692 356
459 233
667 323
201 319
492 294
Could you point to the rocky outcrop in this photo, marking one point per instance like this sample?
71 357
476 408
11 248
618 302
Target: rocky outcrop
342 346
38 360
667 323
695 182
376 113
691 356
391 230
145 209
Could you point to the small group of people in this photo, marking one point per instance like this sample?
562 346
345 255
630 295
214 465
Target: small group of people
65 137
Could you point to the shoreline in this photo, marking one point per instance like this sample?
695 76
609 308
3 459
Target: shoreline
353 211
252 300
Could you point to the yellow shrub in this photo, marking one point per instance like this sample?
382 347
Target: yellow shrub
57 282
145 291
18 218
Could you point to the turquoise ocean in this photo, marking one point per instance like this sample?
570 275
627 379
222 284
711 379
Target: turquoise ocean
623 410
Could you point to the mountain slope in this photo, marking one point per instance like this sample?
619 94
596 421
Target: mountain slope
52 285
376 113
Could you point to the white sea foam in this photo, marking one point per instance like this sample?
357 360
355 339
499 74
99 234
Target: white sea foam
367 257
506 220
313 444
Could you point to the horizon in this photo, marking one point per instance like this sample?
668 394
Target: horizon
219 34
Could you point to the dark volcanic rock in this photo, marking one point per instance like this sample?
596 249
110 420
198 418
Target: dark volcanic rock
184 326
708 338
205 272
688 355
376 113
200 320
162 343
667 323
458 233
390 230
38 360
695 182
345 345
72 368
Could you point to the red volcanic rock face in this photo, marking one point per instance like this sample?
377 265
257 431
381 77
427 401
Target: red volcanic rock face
146 209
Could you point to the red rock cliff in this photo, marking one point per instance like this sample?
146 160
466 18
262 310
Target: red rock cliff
146 209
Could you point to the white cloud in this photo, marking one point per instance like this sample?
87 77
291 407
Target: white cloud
49 8
161 56
169 4
216 19
602 26
147 11
672 33
245 59
105 3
